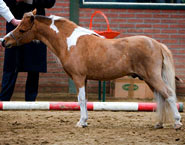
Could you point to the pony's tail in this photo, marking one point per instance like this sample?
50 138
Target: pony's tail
168 76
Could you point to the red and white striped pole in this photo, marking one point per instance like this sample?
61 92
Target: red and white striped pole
114 106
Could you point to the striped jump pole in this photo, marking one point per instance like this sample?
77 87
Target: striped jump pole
93 106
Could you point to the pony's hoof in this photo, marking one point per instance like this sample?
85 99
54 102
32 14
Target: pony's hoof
82 125
178 126
158 126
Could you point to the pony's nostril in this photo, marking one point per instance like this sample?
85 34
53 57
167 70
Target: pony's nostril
3 43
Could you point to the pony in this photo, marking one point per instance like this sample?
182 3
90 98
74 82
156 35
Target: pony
85 55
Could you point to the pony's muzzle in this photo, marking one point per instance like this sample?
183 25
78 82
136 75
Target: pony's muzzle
3 43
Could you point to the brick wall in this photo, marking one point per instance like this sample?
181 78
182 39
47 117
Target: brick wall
167 26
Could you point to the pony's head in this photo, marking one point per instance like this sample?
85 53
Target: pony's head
23 33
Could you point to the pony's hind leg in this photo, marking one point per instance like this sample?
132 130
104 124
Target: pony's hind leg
160 110
172 102
80 86
166 102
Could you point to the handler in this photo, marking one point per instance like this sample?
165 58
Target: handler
6 13
29 58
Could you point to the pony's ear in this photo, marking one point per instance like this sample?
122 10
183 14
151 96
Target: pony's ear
34 11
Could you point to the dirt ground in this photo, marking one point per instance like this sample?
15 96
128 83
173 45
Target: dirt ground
105 127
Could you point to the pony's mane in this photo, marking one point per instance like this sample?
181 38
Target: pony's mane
48 19
44 19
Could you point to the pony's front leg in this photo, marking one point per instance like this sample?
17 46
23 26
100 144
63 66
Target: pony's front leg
83 108
80 86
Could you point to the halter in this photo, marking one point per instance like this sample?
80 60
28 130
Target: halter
12 35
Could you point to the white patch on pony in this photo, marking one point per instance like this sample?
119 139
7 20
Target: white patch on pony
53 18
81 94
79 31
83 108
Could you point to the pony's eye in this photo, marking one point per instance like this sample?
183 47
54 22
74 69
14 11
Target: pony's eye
22 31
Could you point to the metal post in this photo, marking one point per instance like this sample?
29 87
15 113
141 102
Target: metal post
104 91
74 16
99 90
74 11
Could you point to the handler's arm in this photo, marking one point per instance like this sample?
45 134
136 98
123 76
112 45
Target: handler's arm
5 11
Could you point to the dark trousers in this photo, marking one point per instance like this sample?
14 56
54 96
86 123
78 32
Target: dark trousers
8 85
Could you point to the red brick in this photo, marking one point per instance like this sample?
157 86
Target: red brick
118 10
117 20
168 21
169 41
151 30
181 31
122 31
127 15
135 20
135 10
178 66
180 61
127 25
182 71
134 30
161 36
178 36
143 25
143 15
152 20
86 20
181 11
169 11
176 45
178 16
161 15
168 31
179 56
180 21
160 25
174 51
114 25
125 35
151 11
62 4
182 41
112 15
177 26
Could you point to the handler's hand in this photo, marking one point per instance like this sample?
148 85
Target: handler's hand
15 22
